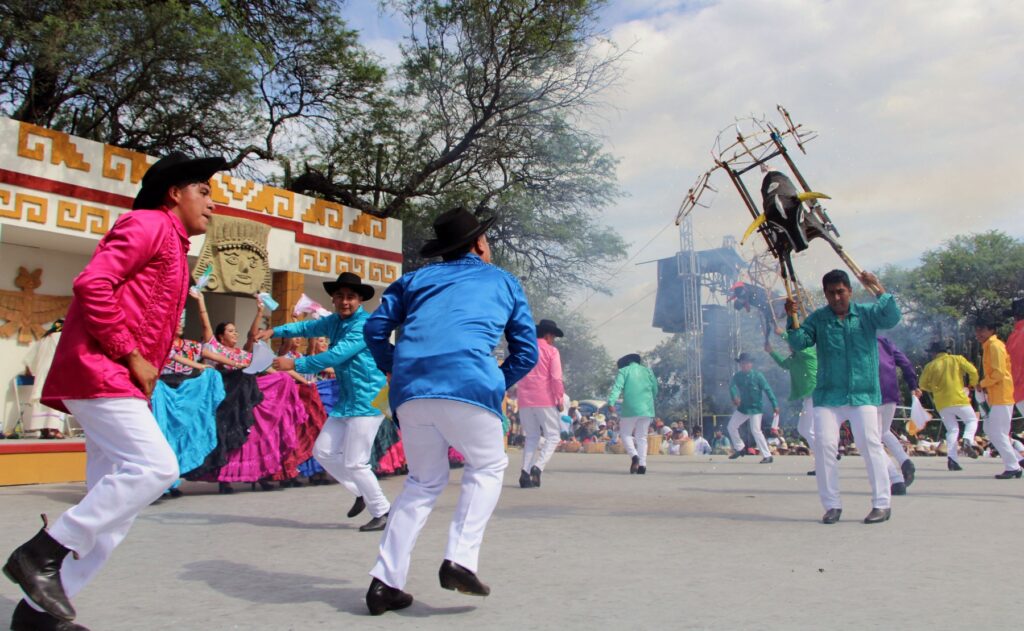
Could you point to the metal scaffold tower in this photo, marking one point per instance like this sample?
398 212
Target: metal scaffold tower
689 270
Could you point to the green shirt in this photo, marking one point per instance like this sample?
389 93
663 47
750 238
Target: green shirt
749 387
638 387
847 351
802 367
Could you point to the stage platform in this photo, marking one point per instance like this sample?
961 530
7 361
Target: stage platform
35 461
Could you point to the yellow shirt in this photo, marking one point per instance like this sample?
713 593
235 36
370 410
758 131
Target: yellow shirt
998 382
944 378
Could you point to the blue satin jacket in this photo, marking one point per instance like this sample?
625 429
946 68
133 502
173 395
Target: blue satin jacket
452 316
359 381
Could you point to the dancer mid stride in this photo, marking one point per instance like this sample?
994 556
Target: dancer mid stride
639 388
747 387
845 335
998 385
944 377
802 367
891 358
541 393
446 389
126 306
346 440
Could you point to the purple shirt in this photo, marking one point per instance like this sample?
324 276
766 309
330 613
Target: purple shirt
889 357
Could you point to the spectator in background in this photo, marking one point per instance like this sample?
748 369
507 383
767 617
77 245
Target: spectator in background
721 444
701 447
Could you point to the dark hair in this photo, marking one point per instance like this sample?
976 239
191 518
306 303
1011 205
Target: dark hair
219 331
985 322
835 277
459 252
632 358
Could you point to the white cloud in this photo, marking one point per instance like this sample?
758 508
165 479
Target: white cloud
918 106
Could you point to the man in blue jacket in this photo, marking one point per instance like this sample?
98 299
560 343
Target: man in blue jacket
345 443
845 335
446 389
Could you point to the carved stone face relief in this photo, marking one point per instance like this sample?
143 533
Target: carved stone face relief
237 251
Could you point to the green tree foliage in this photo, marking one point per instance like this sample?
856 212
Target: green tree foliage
485 113
227 77
969 275
588 370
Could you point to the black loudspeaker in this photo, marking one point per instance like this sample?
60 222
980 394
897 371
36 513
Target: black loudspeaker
717 347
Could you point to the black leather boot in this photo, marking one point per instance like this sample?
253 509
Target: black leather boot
35 567
26 618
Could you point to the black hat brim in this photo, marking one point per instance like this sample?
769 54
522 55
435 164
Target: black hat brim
436 247
151 195
545 329
365 291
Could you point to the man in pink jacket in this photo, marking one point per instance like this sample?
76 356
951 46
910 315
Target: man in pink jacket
540 395
118 331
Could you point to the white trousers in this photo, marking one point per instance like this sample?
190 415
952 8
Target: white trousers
864 423
886 412
997 428
949 416
128 465
890 440
537 422
633 432
739 418
343 448
429 426
805 424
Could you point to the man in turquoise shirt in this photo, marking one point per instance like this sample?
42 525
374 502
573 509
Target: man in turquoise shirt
747 387
845 335
639 389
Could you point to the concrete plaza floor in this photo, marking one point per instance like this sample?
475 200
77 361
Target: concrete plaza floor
701 543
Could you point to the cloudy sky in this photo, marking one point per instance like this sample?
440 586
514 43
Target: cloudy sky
919 107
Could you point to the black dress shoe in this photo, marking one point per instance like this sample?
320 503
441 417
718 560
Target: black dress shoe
357 507
812 472
953 465
26 618
35 567
641 470
535 476
380 598
377 523
831 515
454 576
767 460
878 515
969 451
736 454
898 488
224 488
524 480
634 464
908 469
1006 475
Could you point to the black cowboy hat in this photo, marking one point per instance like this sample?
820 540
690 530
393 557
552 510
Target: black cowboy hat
454 229
625 360
1017 308
938 346
171 169
548 326
353 282
744 357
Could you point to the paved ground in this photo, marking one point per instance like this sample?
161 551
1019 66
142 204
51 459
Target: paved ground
697 543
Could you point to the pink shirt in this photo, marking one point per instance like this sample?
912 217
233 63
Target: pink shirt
129 296
542 387
1015 347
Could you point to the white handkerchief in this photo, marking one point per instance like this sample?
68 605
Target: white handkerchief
262 358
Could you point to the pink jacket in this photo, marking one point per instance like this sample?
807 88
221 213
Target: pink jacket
130 295
542 387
